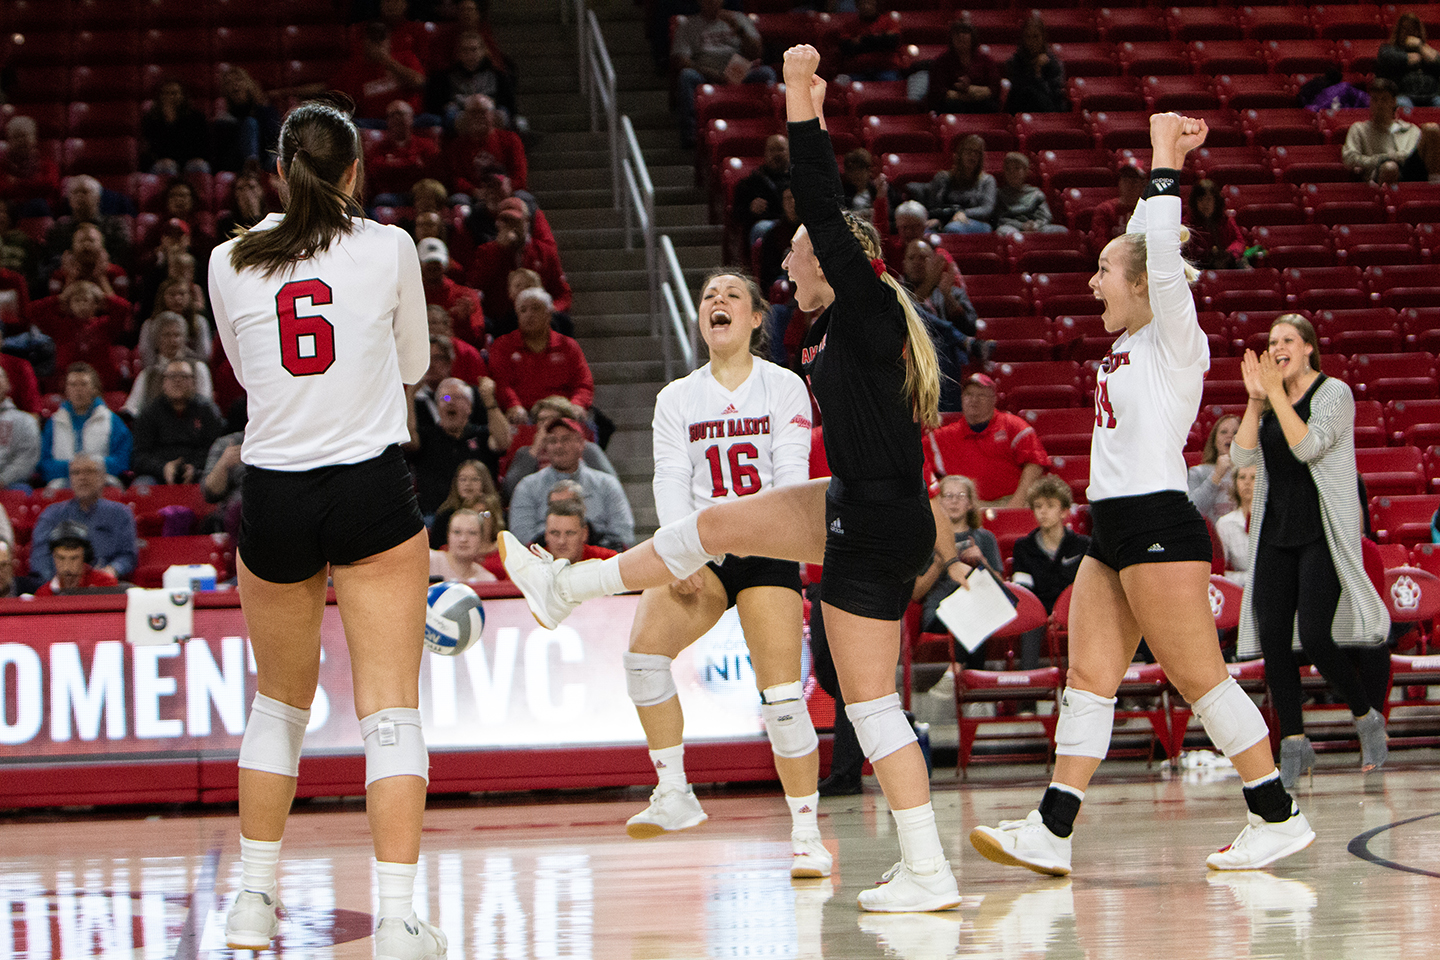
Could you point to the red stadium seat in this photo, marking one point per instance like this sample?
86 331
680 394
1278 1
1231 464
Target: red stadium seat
1079 204
998 295
1225 128
1348 332
1358 21
1344 203
1049 253
1177 93
1122 24
883 97
1016 337
158 554
41 85
736 138
1233 165
1063 432
994 26
1071 26
1422 328
1394 376
176 13
116 118
1038 132
1082 339
1322 288
1391 471
1414 202
1090 59
52 120
312 41
1274 23
1059 294
1369 423
1215 57
1118 130
993 128
733 102
1062 169
1204 23
175 44
95 15
1250 329
1301 56
1264 204
100 156
974 252
1039 383
114 82
241 43
1230 290
1255 91
1106 93
1294 245
904 133
1375 244
1282 127
1404 519
1402 286
1151 57
1413 422
96 48
903 168
1075 471
1310 164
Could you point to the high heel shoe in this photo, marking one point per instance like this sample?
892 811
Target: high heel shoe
1297 757
1373 746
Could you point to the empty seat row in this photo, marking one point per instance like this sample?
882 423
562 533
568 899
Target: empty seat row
162 45
135 82
56 15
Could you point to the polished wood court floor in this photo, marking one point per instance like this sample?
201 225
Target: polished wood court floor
553 875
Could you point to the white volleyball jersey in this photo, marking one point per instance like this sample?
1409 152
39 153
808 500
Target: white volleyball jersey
1147 392
324 347
712 444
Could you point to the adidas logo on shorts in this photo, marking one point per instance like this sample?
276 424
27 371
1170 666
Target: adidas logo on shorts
1155 548
835 526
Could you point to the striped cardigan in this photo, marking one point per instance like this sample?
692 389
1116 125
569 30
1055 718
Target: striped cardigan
1361 618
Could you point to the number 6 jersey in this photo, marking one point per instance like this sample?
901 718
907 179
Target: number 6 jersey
323 346
712 444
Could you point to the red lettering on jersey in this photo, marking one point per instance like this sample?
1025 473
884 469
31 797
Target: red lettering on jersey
307 343
800 420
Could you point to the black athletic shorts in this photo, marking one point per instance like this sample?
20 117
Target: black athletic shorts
742 573
874 550
293 523
1162 527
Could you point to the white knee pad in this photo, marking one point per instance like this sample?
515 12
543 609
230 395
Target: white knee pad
1232 721
1083 729
678 544
273 737
787 720
648 678
394 745
880 726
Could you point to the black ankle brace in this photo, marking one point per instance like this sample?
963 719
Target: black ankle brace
1270 801
1058 808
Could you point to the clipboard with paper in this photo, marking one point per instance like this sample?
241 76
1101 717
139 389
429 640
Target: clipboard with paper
973 615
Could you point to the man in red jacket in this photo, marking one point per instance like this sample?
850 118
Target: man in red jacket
479 138
512 248
535 361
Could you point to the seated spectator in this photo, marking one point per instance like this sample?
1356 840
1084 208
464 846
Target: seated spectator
869 44
170 344
438 448
174 135
467 534
19 441
9 586
182 297
490 191
961 199
1386 149
405 34
27 175
82 424
179 204
858 182
998 450
246 129
442 362
223 477
248 205
1020 206
1409 62
910 220
87 259
534 456
83 193
514 247
111 525
963 79
71 556
174 432
395 162
1110 217
481 146
775 244
461 302
171 261
377 73
523 278
1233 528
18 250
974 545
936 282
713 46
473 71
85 324
473 488
566 530
757 197
605 504
1216 242
1048 557
1036 75
1211 484
466 365
535 361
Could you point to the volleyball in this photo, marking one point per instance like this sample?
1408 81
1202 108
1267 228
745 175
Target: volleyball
454 617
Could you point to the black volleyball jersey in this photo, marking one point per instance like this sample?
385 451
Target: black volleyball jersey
853 355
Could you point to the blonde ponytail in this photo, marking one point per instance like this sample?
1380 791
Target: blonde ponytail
922 367
1135 265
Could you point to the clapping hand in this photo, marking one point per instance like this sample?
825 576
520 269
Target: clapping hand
1262 377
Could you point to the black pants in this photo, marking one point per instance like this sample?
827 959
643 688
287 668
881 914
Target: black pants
1301 580
846 758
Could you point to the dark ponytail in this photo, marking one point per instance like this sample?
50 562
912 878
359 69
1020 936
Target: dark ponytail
318 143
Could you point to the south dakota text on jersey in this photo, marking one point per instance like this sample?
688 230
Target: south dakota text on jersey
738 427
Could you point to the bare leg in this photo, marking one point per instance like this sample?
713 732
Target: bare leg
382 604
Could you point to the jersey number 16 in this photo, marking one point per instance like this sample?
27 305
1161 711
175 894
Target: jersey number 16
744 478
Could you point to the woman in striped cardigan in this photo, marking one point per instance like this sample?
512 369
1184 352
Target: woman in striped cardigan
1307 577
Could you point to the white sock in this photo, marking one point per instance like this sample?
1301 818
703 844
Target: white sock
259 862
397 889
919 839
1065 788
590 579
804 814
1252 784
669 766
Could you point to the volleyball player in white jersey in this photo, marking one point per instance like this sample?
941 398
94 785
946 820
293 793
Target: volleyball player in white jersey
322 315
1147 571
734 427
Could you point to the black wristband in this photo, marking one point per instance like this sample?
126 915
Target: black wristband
952 561
1164 182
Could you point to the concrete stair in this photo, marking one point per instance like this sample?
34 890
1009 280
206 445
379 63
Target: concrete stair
570 176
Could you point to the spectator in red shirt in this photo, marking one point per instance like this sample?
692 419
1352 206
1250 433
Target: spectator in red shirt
462 303
482 146
962 79
998 450
397 160
376 74
84 322
870 44
910 220
512 248
26 175
24 389
468 364
1110 217
405 35
535 361
73 555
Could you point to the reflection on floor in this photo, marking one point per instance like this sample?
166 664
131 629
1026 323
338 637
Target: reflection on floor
554 875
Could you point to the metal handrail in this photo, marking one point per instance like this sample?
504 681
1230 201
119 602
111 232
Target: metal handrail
597 84
679 306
